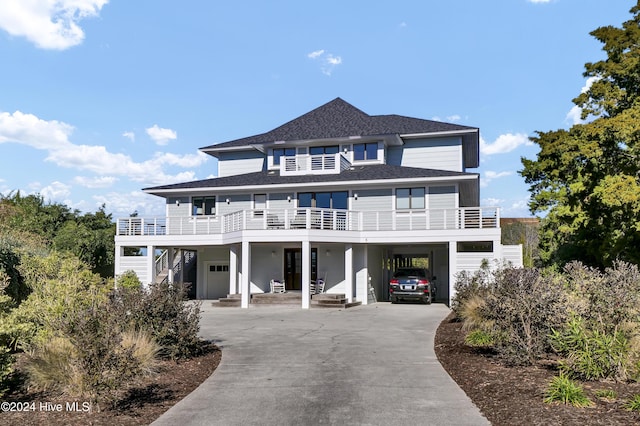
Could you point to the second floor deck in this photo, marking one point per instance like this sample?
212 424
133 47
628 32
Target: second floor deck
278 220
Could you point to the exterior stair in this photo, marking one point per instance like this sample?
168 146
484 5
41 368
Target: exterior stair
328 300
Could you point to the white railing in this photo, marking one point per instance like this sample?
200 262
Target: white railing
314 219
313 164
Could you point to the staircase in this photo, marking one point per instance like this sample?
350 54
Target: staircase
162 265
323 300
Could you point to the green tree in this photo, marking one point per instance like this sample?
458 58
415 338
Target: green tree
587 179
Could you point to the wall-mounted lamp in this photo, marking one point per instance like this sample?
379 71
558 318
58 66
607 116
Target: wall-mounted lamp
355 196
328 253
273 253
228 201
177 203
289 198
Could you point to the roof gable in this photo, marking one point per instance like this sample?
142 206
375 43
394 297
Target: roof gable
340 119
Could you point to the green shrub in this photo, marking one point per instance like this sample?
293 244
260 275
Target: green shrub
633 404
163 311
564 390
606 394
525 305
6 368
94 357
592 354
128 279
479 339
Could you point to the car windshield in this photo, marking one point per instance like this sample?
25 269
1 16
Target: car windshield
415 272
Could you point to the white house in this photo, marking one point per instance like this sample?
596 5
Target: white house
335 194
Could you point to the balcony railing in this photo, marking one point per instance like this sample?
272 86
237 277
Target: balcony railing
313 219
313 164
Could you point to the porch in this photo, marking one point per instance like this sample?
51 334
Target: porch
313 219
290 298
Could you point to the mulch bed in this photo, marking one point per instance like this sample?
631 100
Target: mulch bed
140 405
514 395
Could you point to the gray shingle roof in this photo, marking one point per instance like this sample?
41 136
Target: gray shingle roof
339 119
358 173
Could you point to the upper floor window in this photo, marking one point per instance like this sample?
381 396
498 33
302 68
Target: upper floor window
409 198
279 152
319 150
365 151
259 204
204 206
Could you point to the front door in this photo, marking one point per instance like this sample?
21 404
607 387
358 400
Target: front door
293 267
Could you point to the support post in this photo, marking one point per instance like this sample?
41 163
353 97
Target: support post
246 276
348 272
233 270
453 261
151 265
306 274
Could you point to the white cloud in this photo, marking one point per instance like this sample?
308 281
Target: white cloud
491 202
49 24
53 137
539 1
95 182
130 135
574 116
505 143
328 61
403 24
490 175
55 191
123 204
161 136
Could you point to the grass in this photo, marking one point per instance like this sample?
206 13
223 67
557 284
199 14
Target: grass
563 390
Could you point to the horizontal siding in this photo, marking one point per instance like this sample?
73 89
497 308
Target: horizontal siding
513 254
471 261
238 163
442 197
440 154
236 202
373 199
279 201
137 264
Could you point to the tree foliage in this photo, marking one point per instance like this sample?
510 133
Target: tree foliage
587 178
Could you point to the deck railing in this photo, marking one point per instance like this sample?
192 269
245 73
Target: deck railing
314 219
313 164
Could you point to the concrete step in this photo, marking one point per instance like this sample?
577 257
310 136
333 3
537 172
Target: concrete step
227 303
276 299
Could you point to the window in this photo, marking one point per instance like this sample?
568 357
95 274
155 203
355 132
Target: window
259 204
319 150
279 152
204 206
475 247
324 200
409 198
365 151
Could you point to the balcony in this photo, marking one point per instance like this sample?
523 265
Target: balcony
313 164
313 219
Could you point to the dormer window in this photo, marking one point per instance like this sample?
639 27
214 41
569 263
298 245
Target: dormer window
365 151
320 150
279 152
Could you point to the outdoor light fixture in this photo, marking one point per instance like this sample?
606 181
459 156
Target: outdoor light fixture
328 253
273 253
228 201
177 203
289 198
355 196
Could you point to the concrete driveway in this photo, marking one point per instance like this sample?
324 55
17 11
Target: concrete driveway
369 365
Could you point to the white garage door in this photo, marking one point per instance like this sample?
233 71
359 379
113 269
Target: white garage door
217 280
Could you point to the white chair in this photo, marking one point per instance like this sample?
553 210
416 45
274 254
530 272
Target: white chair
277 286
320 286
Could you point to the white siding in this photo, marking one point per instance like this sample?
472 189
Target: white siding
238 163
137 264
280 202
442 197
372 200
236 202
471 261
513 254
180 209
439 153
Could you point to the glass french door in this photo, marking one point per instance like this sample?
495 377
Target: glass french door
293 267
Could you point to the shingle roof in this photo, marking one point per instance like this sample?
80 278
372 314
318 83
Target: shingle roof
339 119
358 173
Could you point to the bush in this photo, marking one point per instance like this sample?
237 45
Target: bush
93 357
128 279
469 285
562 389
592 354
479 339
633 404
161 309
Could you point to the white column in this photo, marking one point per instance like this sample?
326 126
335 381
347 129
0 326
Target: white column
246 276
348 271
116 266
151 265
170 262
453 261
306 274
362 276
233 270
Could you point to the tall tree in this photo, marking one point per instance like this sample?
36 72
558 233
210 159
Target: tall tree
587 179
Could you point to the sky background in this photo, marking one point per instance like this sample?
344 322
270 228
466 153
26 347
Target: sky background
100 98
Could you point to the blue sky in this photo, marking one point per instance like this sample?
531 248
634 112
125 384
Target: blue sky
100 98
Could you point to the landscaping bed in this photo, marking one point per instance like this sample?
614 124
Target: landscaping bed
514 395
140 405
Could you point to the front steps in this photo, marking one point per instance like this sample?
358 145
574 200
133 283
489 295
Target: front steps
323 300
